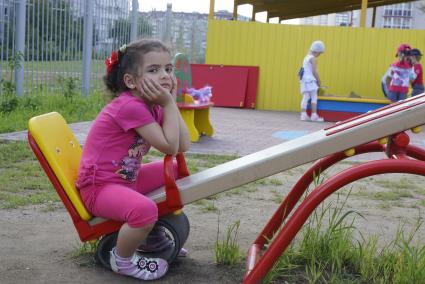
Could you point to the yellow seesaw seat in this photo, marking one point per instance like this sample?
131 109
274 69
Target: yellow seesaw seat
62 152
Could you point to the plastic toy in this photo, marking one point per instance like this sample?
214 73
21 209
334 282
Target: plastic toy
382 130
200 96
183 74
195 113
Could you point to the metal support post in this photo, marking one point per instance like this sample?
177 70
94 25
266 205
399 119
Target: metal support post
87 46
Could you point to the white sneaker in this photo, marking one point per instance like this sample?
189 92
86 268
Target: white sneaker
139 267
316 118
304 116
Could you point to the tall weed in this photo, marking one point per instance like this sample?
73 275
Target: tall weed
227 250
327 252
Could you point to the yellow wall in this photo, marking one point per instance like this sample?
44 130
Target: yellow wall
355 58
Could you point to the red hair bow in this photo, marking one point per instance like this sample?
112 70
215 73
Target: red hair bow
111 61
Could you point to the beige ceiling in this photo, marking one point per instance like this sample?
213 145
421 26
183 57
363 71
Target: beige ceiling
290 9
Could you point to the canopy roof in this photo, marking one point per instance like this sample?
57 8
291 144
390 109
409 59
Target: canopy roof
290 9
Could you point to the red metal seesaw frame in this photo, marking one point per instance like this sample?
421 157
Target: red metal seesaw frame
93 230
260 259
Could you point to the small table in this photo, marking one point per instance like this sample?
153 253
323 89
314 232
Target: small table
197 119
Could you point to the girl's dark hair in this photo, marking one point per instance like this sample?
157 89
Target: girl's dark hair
130 58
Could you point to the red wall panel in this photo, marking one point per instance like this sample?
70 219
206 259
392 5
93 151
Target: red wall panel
232 86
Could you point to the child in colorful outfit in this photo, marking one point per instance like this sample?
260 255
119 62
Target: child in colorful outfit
418 82
400 75
111 179
310 81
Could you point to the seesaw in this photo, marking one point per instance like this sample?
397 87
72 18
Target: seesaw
382 130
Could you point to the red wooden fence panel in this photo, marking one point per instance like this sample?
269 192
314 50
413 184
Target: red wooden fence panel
232 86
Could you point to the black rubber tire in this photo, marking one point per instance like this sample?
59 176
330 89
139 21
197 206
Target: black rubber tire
177 228
180 223
105 245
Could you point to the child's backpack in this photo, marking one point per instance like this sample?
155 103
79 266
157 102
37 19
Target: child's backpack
384 86
301 73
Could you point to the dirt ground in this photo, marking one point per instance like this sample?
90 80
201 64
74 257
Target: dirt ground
37 243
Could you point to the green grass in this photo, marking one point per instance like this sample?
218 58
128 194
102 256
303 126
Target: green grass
226 249
74 66
74 109
206 205
277 196
402 184
327 252
22 180
394 193
83 253
275 181
42 77
391 195
205 161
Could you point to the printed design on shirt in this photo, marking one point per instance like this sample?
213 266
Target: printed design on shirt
130 164
400 77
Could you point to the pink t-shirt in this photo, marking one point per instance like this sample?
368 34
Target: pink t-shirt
113 150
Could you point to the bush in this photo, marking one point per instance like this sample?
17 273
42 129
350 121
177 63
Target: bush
8 103
69 86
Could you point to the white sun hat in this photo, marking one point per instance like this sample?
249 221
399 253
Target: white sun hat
317 46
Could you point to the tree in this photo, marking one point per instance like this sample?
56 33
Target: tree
51 31
144 28
120 29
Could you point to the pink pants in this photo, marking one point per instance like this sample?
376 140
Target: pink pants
125 203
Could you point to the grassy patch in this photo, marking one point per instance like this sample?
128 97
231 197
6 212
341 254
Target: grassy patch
387 195
207 206
250 188
393 190
275 181
392 195
234 191
226 250
277 196
83 253
204 161
401 184
327 252
73 108
22 180
260 182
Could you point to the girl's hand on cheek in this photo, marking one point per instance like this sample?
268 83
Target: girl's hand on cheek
156 93
145 92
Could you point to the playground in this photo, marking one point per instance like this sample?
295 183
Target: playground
283 200
36 260
389 201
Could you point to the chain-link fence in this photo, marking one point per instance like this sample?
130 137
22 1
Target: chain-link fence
59 46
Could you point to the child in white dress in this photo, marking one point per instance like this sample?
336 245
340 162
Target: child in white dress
310 81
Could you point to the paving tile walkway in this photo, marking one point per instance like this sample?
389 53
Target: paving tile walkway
237 131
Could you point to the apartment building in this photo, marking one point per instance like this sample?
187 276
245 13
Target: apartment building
185 32
408 15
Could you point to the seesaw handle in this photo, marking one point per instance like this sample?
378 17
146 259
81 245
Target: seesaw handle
172 195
